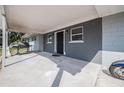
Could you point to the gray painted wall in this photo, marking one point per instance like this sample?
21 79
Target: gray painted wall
48 47
0 22
113 38
40 40
113 33
92 41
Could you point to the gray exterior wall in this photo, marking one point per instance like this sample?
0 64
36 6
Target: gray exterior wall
48 47
40 40
85 51
113 38
0 22
113 33
92 41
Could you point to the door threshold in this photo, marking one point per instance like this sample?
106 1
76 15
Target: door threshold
57 54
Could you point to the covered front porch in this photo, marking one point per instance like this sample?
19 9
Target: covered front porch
43 70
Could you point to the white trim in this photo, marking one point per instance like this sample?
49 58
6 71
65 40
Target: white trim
76 41
77 34
49 42
79 41
64 43
55 41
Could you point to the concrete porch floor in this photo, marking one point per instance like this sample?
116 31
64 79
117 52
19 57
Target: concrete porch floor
44 70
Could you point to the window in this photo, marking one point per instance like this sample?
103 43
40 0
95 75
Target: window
24 40
76 35
27 39
49 38
33 38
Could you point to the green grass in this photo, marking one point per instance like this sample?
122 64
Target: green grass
13 51
23 50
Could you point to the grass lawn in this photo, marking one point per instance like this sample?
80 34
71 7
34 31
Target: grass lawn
23 50
13 51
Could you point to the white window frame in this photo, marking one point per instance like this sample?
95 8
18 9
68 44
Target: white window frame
76 41
48 42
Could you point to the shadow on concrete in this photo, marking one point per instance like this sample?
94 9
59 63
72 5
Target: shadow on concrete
57 80
70 65
13 63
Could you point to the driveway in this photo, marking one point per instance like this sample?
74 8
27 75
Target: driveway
44 70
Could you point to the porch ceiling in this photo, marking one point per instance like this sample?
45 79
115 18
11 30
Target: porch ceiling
46 18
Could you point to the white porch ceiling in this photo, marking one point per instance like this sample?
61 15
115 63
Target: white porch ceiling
47 18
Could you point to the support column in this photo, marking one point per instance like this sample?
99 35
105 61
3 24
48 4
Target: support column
2 14
3 40
7 47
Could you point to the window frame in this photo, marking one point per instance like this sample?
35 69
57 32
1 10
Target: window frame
48 41
71 35
35 38
32 38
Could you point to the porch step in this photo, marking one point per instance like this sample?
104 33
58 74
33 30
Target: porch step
55 54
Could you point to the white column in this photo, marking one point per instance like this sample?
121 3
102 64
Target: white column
3 40
2 15
55 43
7 47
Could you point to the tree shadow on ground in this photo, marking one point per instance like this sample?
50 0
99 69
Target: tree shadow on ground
70 65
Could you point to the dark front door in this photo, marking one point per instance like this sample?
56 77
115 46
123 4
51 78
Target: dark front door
60 42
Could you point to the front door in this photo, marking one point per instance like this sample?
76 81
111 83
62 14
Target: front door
60 42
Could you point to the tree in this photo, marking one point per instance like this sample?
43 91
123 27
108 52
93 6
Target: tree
15 37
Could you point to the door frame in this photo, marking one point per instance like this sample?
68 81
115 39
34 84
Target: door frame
55 41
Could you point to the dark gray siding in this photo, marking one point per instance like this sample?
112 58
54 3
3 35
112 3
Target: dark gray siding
92 41
48 47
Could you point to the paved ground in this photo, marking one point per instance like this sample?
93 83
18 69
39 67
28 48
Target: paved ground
106 80
41 69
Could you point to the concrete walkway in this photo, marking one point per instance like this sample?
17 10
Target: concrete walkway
106 80
44 70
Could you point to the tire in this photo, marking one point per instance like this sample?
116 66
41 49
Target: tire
115 70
